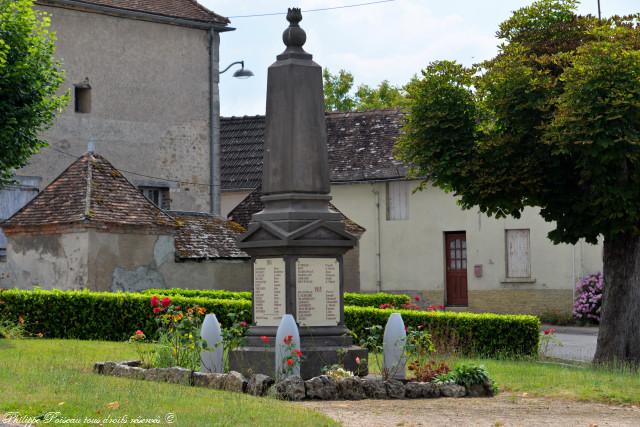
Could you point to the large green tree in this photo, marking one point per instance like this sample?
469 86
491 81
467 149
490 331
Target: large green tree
339 94
552 121
29 80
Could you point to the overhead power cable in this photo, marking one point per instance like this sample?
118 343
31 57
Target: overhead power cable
314 10
136 173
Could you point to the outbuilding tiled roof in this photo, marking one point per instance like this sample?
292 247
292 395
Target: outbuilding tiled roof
203 236
251 204
184 9
360 148
90 193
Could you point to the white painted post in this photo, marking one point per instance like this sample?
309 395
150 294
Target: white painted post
211 360
394 340
287 328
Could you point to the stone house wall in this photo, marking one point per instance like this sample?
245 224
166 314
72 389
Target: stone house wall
149 102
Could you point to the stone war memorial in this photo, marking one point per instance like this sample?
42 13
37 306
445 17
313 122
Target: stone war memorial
296 242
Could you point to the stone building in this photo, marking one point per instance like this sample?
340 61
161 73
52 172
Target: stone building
93 229
421 243
143 79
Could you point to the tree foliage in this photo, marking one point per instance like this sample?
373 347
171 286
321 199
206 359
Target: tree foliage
29 80
339 94
552 121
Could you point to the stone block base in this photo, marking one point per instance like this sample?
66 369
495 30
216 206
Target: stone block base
253 360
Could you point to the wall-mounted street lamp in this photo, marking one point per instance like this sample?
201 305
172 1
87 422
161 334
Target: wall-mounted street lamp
242 73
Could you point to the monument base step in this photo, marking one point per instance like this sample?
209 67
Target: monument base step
261 360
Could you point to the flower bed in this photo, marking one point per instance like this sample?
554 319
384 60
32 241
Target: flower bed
295 388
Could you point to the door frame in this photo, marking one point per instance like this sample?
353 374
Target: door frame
444 263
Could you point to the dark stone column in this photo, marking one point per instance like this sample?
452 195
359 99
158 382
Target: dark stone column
296 222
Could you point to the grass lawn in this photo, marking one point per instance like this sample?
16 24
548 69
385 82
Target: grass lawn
41 376
549 379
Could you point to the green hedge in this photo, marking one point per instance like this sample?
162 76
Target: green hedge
484 334
350 298
97 315
202 293
115 316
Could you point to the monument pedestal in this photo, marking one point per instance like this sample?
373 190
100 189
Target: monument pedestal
318 352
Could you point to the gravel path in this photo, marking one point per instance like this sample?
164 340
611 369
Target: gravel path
504 410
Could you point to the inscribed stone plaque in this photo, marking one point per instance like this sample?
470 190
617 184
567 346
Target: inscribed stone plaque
318 291
268 291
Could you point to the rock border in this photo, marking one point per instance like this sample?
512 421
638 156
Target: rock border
294 388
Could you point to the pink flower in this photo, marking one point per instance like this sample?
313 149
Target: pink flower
154 301
265 339
166 302
358 360
139 332
549 331
417 298
157 310
243 324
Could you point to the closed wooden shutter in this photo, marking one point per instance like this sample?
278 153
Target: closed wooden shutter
397 200
518 254
13 198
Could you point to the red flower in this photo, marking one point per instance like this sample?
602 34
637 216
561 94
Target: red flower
243 324
154 301
265 339
297 352
157 310
417 298
289 362
166 302
383 306
139 332
357 360
549 331
288 339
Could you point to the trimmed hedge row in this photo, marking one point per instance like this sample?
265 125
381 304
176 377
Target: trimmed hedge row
115 316
97 315
484 334
350 298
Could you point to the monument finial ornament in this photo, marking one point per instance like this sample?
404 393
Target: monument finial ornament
294 37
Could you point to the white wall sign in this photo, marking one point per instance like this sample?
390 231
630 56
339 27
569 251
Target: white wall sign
269 291
318 291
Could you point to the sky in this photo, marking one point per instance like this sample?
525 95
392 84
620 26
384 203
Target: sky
387 41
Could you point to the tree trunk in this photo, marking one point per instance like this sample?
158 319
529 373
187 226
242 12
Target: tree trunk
619 336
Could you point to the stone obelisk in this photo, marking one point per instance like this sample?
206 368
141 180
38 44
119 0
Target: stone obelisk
296 242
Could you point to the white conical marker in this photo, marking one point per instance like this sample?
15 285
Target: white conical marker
211 359
288 327
395 337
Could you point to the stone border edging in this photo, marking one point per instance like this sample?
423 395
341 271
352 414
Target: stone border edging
294 388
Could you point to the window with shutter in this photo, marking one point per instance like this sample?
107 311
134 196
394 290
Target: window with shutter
397 200
12 199
518 254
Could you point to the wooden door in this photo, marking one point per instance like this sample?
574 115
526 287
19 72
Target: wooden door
456 256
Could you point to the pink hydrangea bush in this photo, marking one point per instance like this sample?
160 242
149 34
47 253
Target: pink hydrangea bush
589 298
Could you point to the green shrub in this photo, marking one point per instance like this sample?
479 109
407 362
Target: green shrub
350 298
115 316
375 300
483 334
97 315
202 293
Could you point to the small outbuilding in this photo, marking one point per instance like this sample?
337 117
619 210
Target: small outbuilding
92 229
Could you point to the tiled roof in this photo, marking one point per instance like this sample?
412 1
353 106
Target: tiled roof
184 9
91 193
252 204
203 236
360 148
